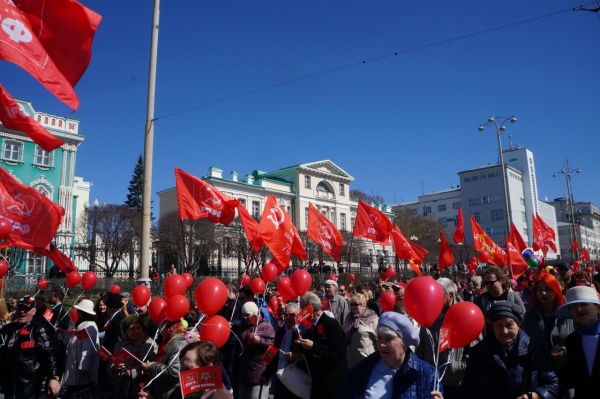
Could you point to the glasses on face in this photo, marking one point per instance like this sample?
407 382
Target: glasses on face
489 282
290 315
342 290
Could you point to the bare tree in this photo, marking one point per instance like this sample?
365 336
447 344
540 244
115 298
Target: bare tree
376 198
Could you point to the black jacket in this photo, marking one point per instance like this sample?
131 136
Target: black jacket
576 374
30 360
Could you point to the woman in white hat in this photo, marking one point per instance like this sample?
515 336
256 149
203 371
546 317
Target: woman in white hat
582 349
81 366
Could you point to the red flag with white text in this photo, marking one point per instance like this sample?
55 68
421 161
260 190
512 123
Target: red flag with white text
250 227
549 233
13 116
446 254
483 242
459 233
197 199
371 223
279 233
322 231
33 216
514 253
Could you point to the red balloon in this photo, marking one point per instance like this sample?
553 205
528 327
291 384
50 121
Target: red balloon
472 259
73 278
141 295
73 316
576 265
351 277
5 229
483 256
387 301
331 277
536 245
465 322
211 295
424 300
269 272
177 307
288 294
244 280
301 281
283 283
390 272
274 303
42 283
174 285
88 280
189 280
157 309
215 329
115 289
3 268
257 285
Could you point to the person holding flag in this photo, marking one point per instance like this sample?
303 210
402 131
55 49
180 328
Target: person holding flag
82 362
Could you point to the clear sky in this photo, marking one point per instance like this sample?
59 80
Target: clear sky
401 125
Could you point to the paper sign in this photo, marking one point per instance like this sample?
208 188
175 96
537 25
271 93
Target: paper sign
120 357
444 338
103 353
200 379
48 315
270 354
82 334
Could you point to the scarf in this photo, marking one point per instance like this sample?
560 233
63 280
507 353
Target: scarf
592 329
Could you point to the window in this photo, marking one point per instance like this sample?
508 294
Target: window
522 201
255 209
42 157
426 210
35 263
307 182
477 217
242 202
342 189
12 151
497 214
343 221
523 217
352 220
441 207
443 222
415 212
475 201
455 205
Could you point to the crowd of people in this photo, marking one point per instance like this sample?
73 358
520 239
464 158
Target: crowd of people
540 340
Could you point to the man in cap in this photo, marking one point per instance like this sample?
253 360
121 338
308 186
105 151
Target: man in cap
112 332
27 353
335 303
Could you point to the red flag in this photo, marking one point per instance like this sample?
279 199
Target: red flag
516 238
62 261
444 341
514 253
269 354
585 255
197 199
459 233
371 223
402 246
48 315
33 216
483 242
204 378
103 354
539 234
250 227
304 313
13 116
322 231
279 233
549 233
120 356
446 255
420 251
574 245
51 40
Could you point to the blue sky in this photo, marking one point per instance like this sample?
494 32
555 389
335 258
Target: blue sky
401 125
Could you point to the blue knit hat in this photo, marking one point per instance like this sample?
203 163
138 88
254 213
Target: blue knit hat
401 325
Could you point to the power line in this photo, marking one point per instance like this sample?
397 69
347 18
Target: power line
379 58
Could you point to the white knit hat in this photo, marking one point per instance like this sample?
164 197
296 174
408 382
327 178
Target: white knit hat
579 294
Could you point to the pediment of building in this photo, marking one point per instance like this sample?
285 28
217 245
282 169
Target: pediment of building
326 168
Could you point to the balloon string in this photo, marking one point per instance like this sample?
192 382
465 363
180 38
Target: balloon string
67 313
159 330
436 354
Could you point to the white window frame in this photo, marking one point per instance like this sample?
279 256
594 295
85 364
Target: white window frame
43 158
15 146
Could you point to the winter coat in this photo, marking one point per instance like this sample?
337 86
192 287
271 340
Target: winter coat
576 374
168 382
251 365
81 366
494 373
361 334
30 360
413 380
485 302
338 305
129 386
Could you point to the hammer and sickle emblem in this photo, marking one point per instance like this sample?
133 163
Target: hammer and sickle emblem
273 216
211 197
373 218
326 232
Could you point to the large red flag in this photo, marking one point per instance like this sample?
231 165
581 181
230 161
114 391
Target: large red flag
279 233
51 40
405 249
516 238
62 261
539 234
33 216
483 242
371 223
323 232
250 227
549 233
197 199
446 255
13 116
514 253
459 233
574 246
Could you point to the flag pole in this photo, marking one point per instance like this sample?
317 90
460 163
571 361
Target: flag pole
349 258
185 257
149 149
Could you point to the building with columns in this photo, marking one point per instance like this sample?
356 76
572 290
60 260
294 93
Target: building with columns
52 173
322 183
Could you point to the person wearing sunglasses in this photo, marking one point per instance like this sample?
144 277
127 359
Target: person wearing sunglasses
360 326
497 288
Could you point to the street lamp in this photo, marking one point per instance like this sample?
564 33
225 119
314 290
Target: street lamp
567 171
498 124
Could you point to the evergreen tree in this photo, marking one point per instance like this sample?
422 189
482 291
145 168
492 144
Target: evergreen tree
136 187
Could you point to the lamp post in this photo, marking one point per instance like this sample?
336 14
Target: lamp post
567 171
95 205
498 124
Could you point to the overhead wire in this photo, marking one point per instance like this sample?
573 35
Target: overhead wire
370 60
